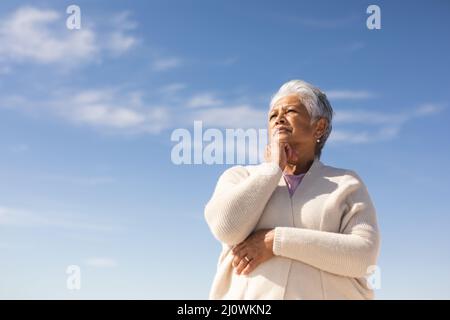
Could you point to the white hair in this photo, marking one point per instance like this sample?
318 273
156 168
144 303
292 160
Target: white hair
313 99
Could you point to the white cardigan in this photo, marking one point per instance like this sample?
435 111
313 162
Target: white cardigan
326 235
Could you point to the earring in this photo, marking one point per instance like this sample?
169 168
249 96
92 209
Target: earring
318 140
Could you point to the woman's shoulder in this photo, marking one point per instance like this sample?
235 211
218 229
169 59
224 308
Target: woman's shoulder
243 171
341 174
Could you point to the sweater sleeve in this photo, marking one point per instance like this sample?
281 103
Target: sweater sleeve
239 200
347 253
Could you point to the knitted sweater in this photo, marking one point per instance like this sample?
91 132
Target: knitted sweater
326 234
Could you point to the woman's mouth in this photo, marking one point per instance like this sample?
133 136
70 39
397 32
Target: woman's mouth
282 130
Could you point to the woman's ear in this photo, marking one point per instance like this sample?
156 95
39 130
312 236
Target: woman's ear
321 127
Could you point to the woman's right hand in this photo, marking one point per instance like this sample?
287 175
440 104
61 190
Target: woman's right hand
278 152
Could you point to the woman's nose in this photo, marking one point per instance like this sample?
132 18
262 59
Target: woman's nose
280 120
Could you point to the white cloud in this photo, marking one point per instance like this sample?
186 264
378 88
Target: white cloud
106 109
119 41
101 262
377 126
204 100
241 116
40 36
35 35
105 115
163 64
109 109
348 94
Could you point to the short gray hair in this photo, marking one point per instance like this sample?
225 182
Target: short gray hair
315 101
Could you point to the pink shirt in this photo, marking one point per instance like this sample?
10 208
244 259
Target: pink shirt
292 181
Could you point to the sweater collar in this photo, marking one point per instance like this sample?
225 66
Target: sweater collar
317 164
314 166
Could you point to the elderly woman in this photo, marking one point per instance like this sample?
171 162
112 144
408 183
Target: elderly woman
293 227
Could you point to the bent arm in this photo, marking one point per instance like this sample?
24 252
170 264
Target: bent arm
239 200
348 253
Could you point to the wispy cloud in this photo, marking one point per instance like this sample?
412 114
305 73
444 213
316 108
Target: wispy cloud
227 61
108 109
113 110
173 88
120 41
240 116
348 94
322 22
118 111
365 136
369 117
101 262
164 64
27 218
377 126
428 109
384 118
85 181
204 100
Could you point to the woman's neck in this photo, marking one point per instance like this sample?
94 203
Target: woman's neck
302 166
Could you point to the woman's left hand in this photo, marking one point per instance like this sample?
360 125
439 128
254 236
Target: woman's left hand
253 251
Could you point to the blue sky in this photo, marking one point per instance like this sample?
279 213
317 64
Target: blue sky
86 118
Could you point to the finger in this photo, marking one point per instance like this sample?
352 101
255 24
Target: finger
242 264
250 267
236 261
238 256
283 150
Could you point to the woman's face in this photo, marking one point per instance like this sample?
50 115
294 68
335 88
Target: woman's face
292 121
